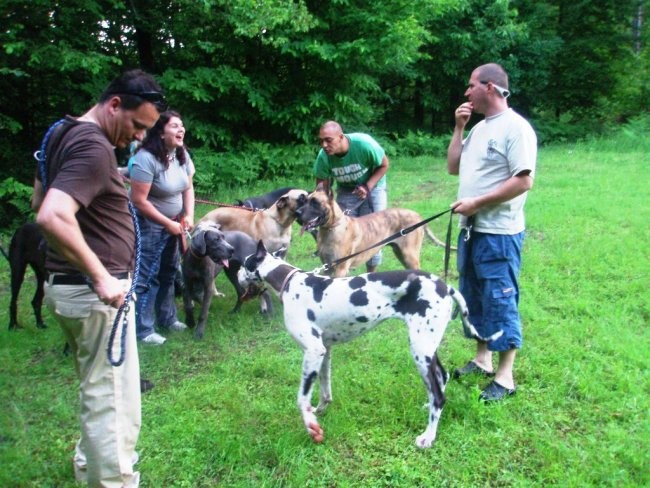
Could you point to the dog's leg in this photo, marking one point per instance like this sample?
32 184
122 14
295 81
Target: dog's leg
266 305
325 382
443 373
188 302
37 301
205 308
231 274
314 353
424 339
435 381
18 267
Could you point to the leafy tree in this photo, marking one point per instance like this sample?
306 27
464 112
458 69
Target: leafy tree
263 72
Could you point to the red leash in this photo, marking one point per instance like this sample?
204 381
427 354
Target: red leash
219 204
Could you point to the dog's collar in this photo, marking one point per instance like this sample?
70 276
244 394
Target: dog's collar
287 278
191 251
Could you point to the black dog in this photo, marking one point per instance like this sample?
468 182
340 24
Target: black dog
263 202
27 247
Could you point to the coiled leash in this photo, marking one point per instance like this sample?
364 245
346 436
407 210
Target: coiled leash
123 310
400 233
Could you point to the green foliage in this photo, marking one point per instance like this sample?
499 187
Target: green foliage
15 207
272 71
418 144
255 162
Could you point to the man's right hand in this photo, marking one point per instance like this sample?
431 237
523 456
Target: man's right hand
463 113
111 291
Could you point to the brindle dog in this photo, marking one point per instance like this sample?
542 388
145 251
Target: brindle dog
340 235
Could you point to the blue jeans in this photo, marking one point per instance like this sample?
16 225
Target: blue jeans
377 201
489 265
159 261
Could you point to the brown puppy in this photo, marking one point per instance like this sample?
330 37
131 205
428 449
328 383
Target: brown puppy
272 226
340 235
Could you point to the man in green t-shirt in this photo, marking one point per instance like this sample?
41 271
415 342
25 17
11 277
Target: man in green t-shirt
359 165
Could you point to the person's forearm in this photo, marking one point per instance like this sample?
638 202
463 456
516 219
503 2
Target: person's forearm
454 151
378 174
188 204
511 188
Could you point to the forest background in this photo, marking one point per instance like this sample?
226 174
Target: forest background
254 79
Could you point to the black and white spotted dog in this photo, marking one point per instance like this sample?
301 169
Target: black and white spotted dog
320 312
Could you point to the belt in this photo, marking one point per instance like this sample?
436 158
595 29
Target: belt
77 279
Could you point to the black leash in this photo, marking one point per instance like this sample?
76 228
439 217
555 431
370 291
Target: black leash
400 233
448 245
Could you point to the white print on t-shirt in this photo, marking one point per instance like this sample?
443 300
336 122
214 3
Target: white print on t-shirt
349 173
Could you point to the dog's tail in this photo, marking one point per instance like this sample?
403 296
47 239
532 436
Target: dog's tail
435 240
470 330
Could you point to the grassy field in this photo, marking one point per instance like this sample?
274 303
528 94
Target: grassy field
223 410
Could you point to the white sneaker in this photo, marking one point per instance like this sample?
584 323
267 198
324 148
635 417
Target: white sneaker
178 325
154 338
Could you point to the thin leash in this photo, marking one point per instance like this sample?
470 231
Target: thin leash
448 245
124 309
219 204
400 233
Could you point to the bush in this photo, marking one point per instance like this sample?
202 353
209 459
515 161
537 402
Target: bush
15 206
420 144
250 164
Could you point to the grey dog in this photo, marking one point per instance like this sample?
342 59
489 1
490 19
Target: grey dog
207 253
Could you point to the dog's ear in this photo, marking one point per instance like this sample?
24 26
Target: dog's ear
197 243
282 202
327 189
261 250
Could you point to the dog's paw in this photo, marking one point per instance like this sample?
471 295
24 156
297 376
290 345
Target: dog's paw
424 441
316 433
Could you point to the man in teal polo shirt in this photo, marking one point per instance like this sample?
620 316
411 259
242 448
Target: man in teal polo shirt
359 165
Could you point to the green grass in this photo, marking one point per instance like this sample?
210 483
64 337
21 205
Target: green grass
223 410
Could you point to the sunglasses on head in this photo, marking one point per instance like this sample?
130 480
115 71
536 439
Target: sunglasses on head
157 98
505 93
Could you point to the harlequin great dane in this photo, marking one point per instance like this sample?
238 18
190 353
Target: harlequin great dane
320 312
340 235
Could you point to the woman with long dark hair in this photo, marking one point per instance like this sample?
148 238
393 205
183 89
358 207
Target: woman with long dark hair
161 174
